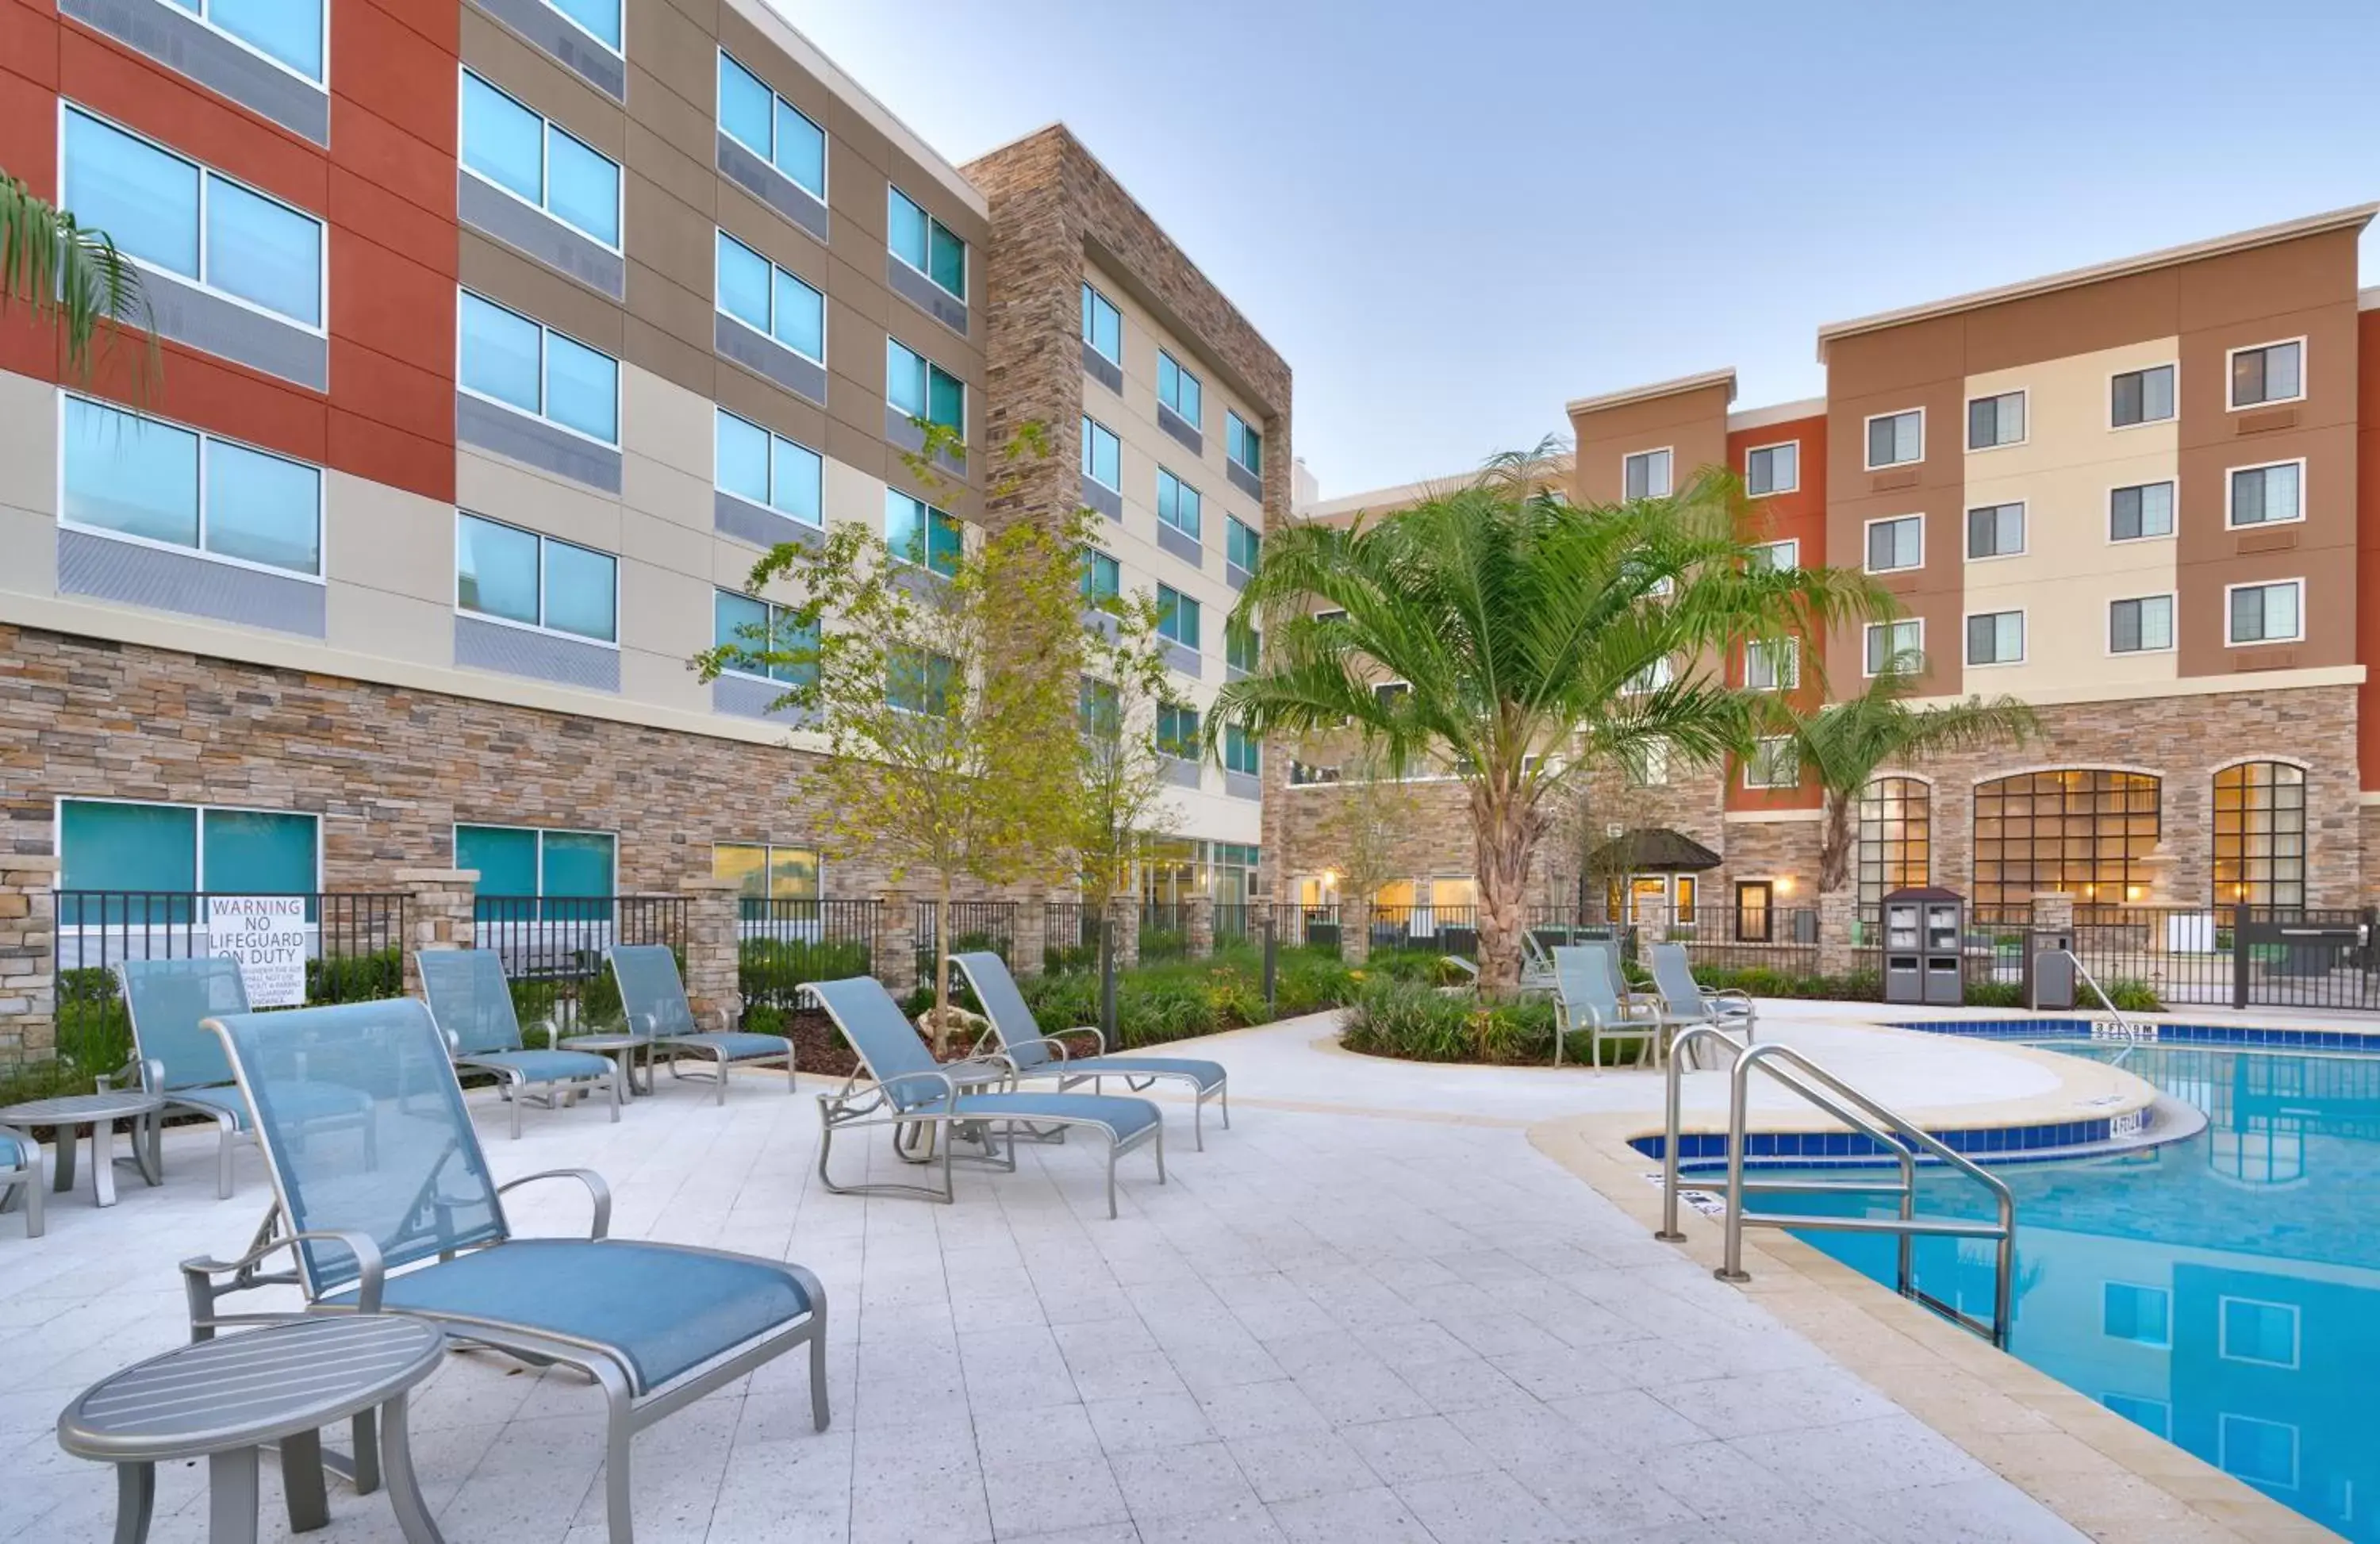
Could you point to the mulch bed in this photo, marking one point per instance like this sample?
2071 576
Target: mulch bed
819 1046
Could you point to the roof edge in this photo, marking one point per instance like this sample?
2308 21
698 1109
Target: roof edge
1724 377
1777 413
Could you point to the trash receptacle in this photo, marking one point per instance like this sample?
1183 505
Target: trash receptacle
2049 970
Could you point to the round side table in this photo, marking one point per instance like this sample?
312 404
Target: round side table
623 1049
99 1112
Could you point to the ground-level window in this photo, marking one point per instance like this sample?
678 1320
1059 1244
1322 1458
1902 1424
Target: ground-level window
1654 899
2081 831
1894 847
167 853
2260 834
565 872
764 872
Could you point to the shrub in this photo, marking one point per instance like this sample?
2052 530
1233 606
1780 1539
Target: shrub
1995 995
356 978
1418 1022
2129 995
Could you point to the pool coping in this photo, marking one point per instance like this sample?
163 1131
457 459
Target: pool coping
2106 1476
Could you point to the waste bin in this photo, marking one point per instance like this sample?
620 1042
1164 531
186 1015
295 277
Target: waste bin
2049 970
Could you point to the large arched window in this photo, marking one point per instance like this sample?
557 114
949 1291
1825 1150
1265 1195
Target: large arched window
2082 831
2260 834
1895 837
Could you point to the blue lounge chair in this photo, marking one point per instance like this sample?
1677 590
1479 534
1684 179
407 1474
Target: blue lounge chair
1036 1055
1688 1001
419 1228
20 1176
167 1000
1584 999
473 1006
654 998
910 1092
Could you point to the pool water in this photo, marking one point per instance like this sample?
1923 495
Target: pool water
2223 1291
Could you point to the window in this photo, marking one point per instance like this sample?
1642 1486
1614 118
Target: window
517 575
145 478
1774 664
1102 456
762 627
1896 544
770 127
178 849
1898 645
571 868
1648 764
1099 711
2260 1452
1777 557
1895 841
2153 1415
2140 627
1773 468
1102 325
926 244
1388 694
2137 512
1895 439
2267 613
1102 576
1646 475
2140 397
769 470
2272 372
2262 1332
921 534
1242 444
770 302
1774 763
1995 638
2143 1315
288 33
1177 730
1179 390
1993 422
2267 495
1177 504
1652 678
599 19
2260 834
1996 530
1241 545
1240 752
177 217
923 389
507 357
769 873
1242 647
2081 830
506 144
1177 616
919 682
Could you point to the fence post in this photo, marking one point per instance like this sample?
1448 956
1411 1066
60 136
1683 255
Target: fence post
440 913
28 937
1029 939
713 982
1354 931
1271 925
1200 921
1838 919
1123 914
1108 940
897 942
2240 956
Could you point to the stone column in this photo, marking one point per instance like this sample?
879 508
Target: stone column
2053 909
29 998
1030 936
896 941
1837 912
713 986
1124 915
1202 927
1354 931
440 913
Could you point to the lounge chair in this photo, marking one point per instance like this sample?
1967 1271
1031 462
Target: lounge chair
20 1176
1036 1055
167 1002
1687 999
910 1091
419 1229
1584 999
473 1006
654 1000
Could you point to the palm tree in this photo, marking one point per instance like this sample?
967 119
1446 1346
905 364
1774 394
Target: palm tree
70 275
1845 744
1528 629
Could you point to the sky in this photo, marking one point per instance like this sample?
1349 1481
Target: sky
1451 219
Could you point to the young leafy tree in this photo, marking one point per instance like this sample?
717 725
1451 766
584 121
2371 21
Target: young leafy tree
1121 799
1364 834
940 681
72 277
1522 621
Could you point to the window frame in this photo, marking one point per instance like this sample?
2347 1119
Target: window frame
453 840
1117 486
774 609
1167 616
1237 532
931 513
1197 504
1785 668
1760 752
1792 487
1868 544
1092 291
1967 639
2231 490
767 851
768 154
1668 467
619 52
543 385
2223 1422
197 11
2024 530
1233 635
2164 1293
2228 589
2173 511
545 166
1867 439
2116 375
2234 405
2024 410
967 249
1180 372
322 497
2173 623
931 369
718 298
539 626
198 834
720 410
2223 1332
1916 621
1246 431
1249 748
1793 545
321 328
1664 672
1091 553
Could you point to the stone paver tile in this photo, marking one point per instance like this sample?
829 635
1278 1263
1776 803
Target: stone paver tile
1468 1385
1598 1498
1628 1421
1482 1509
1052 1495
1237 1525
1368 1517
1425 1447
1261 1410
1966 1512
1357 1392
1857 1458
1180 1482
1289 1467
1761 1402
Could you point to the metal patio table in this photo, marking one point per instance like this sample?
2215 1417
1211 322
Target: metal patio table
623 1049
225 1399
99 1112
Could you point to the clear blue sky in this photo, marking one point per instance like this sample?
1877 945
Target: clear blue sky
1452 218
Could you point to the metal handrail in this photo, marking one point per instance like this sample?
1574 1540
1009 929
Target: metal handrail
1904 1138
2130 1032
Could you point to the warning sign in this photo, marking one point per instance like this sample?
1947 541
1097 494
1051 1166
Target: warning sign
267 935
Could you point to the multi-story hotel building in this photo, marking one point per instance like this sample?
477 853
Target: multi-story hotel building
2130 495
501 337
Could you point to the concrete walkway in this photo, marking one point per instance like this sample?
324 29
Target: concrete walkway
1405 1323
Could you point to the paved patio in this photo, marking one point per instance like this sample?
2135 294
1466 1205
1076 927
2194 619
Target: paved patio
1401 1325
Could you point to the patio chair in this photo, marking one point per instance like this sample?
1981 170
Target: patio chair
1584 999
419 1229
911 1092
20 1176
473 1004
654 998
1036 1055
175 1058
1685 999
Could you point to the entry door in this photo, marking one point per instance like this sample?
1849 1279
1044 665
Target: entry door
1752 901
1648 898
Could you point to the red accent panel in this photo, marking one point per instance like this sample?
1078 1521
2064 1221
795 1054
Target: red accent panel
399 73
391 305
405 397
368 448
29 42
112 80
29 118
377 154
1800 515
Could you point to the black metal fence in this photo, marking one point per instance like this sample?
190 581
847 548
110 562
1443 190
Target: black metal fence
782 944
1783 939
975 926
2235 955
1164 930
1241 924
1307 926
1070 937
553 951
351 946
1439 929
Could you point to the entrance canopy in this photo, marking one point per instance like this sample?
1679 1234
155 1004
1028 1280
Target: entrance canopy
1653 850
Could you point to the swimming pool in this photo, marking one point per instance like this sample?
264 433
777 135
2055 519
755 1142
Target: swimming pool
2223 1291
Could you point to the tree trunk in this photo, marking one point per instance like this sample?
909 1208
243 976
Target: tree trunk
942 970
1835 847
1504 834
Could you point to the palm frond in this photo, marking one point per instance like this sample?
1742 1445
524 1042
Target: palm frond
73 277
